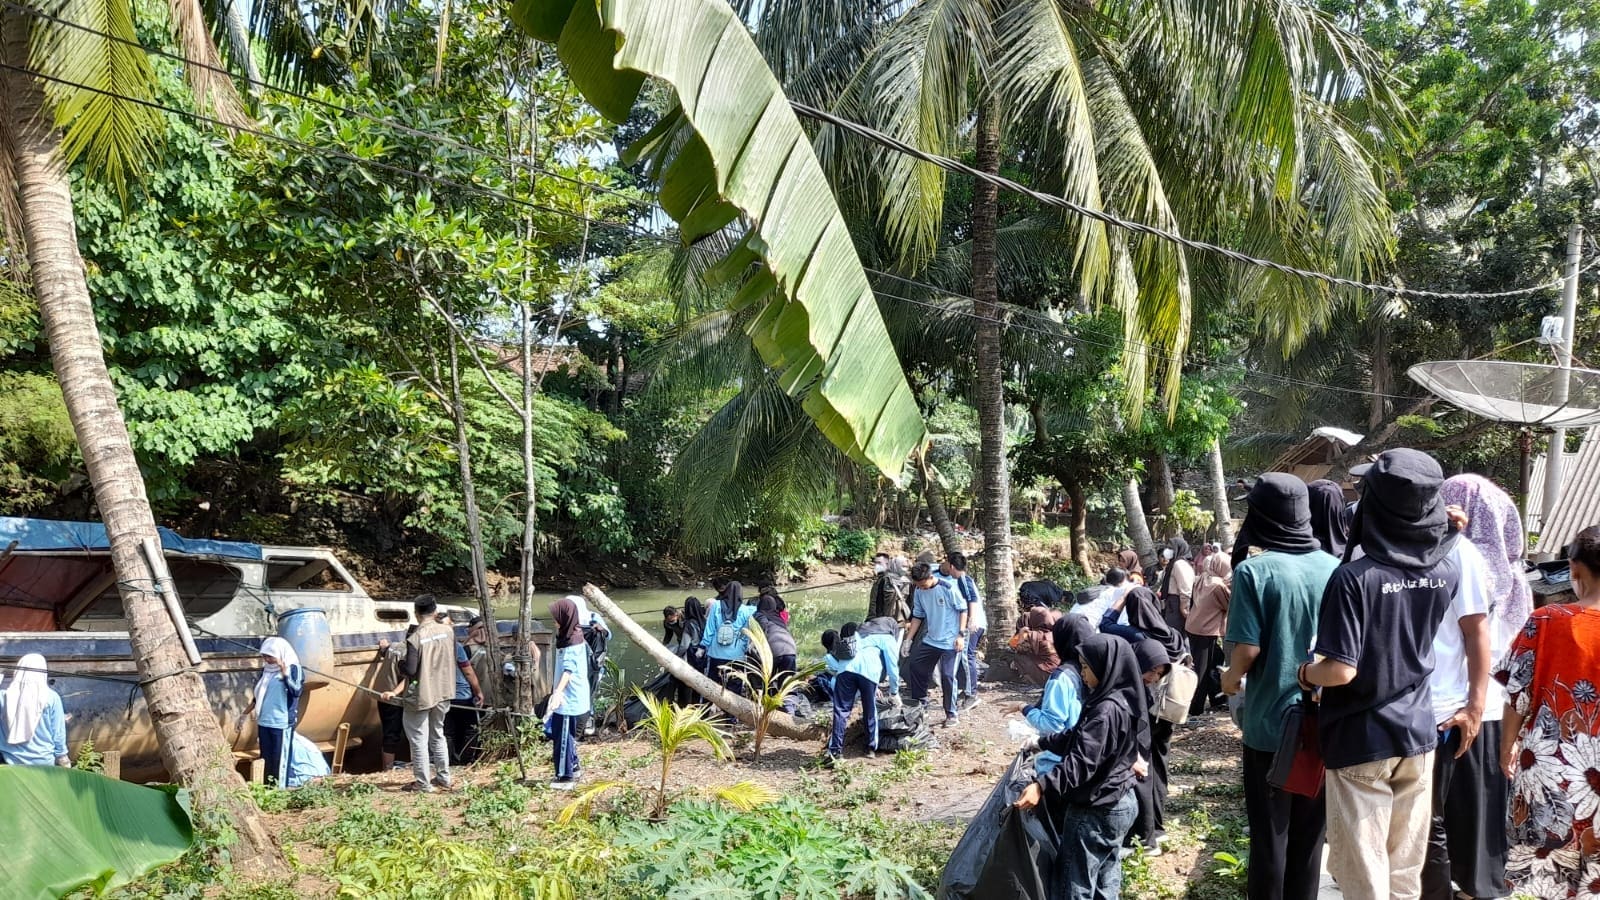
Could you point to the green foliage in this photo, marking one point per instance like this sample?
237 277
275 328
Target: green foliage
852 545
1187 513
418 866
759 675
784 850
37 444
675 728
89 759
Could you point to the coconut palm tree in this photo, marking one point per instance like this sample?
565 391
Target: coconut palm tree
1218 120
74 94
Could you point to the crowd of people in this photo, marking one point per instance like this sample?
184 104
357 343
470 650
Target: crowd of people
1455 749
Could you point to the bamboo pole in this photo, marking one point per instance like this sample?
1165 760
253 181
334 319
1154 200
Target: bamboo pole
781 723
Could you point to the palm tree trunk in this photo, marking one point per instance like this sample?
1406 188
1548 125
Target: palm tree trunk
994 503
941 515
1165 494
192 745
239 46
1138 527
1219 496
779 723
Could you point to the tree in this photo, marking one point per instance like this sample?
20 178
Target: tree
37 156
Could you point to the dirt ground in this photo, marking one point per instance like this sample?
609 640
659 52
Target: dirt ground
943 787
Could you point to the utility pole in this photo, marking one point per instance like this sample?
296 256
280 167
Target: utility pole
1555 457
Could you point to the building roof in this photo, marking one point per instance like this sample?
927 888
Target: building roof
1579 506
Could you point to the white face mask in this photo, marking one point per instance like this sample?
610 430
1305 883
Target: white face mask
879 567
1167 554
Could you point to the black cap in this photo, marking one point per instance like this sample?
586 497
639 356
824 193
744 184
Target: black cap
475 620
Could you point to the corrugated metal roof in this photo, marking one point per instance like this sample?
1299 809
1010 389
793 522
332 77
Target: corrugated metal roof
1579 506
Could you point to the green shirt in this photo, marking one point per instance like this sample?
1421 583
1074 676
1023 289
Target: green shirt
1276 599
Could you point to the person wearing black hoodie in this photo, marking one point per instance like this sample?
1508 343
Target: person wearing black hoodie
779 639
1372 658
1272 618
1094 780
1330 517
1150 826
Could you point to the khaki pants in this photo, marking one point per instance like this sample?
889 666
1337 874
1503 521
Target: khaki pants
1378 818
425 733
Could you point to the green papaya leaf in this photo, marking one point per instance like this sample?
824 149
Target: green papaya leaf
817 321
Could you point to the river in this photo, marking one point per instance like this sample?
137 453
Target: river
811 612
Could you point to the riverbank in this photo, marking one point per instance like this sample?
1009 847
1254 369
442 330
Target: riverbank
898 815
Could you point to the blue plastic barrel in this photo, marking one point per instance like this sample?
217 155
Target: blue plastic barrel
306 630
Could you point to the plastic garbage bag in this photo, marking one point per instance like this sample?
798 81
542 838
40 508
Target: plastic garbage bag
1005 852
1020 731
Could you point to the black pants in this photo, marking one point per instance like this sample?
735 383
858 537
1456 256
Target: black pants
461 732
1287 832
1467 843
925 659
1152 790
274 745
1207 652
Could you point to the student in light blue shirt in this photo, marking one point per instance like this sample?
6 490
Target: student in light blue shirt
977 624
1062 701
724 640
877 656
937 636
570 699
33 724
277 705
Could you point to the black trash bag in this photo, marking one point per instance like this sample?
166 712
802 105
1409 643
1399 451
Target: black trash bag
903 727
798 705
661 687
1005 852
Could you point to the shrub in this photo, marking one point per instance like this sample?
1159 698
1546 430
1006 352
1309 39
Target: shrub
852 545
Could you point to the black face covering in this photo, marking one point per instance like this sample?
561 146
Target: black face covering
1401 521
1330 516
1279 518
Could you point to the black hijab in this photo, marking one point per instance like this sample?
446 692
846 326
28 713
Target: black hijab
672 630
767 608
1330 516
1401 521
695 611
1144 613
564 613
1180 550
1150 655
1067 634
1278 518
732 597
1112 662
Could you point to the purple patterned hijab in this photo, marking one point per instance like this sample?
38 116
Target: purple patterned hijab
1495 528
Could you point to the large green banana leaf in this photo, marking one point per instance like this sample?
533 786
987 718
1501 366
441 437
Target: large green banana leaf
818 323
64 829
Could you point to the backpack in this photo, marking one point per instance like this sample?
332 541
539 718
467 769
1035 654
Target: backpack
727 634
844 648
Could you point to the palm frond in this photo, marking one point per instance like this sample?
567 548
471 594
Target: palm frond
584 801
101 88
213 90
742 795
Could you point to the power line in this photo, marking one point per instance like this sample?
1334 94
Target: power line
1000 181
852 127
1122 343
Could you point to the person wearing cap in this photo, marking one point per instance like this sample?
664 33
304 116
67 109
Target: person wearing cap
1372 658
955 568
936 637
1272 618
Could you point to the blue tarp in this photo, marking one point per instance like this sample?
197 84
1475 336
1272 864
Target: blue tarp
48 534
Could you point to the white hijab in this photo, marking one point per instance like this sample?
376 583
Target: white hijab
26 697
283 652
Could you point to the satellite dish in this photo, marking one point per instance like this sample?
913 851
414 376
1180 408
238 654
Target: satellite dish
1523 393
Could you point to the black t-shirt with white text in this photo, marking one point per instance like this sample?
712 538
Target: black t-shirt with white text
1381 619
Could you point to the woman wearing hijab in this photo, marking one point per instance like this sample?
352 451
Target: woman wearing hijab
1128 561
1094 779
33 724
1208 622
1469 845
1150 827
1062 700
1144 621
277 705
724 640
781 642
1330 517
1272 619
570 699
1177 584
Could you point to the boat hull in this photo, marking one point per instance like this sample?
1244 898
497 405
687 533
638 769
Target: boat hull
98 681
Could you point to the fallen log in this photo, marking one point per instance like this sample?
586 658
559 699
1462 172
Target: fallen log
781 723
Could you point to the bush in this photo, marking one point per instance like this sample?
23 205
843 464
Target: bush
852 545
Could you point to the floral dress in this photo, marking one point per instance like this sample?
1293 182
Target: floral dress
1551 675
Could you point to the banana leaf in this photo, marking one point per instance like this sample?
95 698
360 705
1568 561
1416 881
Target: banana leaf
66 829
744 156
